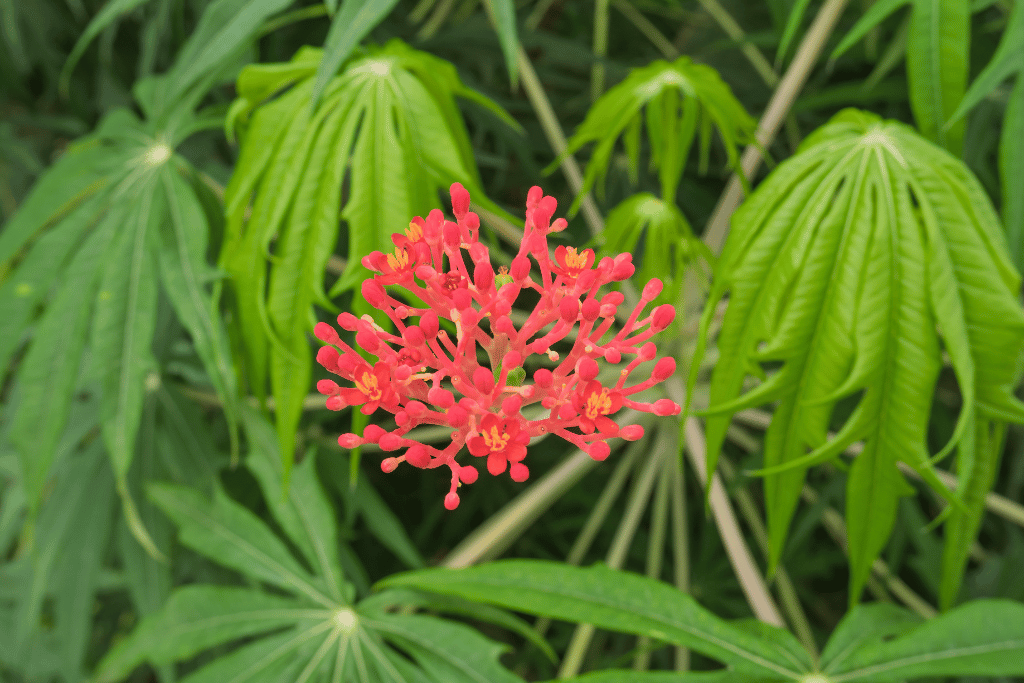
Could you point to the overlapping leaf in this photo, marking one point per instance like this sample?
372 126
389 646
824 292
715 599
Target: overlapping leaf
937 55
681 99
854 264
116 219
309 630
391 122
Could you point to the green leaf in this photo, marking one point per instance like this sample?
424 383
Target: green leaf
350 25
937 65
448 650
229 534
981 638
793 21
107 15
123 328
849 265
864 626
875 14
1011 169
304 511
614 600
48 374
1007 60
194 619
676 95
631 676
503 14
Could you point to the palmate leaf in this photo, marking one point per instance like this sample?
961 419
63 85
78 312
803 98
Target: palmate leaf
681 98
389 118
307 631
114 221
618 601
851 264
937 61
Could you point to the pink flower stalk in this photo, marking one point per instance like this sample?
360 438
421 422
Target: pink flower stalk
428 375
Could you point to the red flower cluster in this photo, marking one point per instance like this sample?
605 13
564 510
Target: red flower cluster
427 374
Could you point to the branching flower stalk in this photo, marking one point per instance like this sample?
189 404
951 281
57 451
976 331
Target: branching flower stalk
425 375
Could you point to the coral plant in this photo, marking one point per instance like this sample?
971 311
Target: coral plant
425 375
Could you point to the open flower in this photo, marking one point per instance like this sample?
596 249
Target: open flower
501 440
429 373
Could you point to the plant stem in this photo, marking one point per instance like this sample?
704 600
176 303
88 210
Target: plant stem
761 65
787 593
656 547
556 138
778 107
680 547
650 31
751 580
641 493
311 12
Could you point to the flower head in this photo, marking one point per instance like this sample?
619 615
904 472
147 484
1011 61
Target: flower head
429 373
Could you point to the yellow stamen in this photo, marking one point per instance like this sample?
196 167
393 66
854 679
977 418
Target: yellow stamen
574 260
414 232
400 259
495 440
598 404
368 385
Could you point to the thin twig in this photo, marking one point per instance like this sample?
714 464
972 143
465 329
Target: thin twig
680 547
761 65
650 31
778 107
556 138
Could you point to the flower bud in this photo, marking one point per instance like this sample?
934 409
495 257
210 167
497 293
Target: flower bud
349 440
510 406
327 356
326 333
457 416
663 369
590 310
429 324
442 398
503 324
347 321
543 377
566 412
483 276
468 474
372 433
469 317
647 351
462 299
334 403
425 272
402 418
452 235
367 340
413 336
512 359
559 225
586 280
417 456
664 406
632 432
388 465
587 369
390 442
599 450
533 196
484 380
502 306
416 409
402 372
520 269
327 387
451 501
662 317
613 356
460 199
652 289
374 293
479 253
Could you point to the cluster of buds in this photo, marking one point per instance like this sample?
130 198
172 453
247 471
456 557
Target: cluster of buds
428 375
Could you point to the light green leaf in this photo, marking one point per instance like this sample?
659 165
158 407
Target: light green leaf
793 21
981 638
631 676
848 265
875 14
194 619
229 534
1007 60
350 25
615 600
